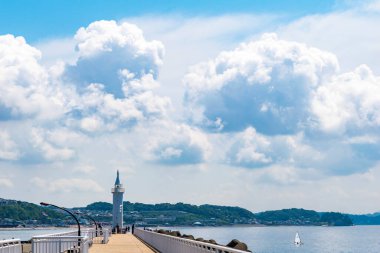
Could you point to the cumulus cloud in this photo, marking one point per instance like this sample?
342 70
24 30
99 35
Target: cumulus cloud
266 84
115 75
280 175
25 89
254 150
350 102
111 56
65 185
108 49
8 148
327 155
78 96
101 111
287 103
178 144
5 182
251 149
49 150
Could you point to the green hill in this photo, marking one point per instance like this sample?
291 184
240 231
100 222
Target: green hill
296 216
13 213
175 214
292 216
336 219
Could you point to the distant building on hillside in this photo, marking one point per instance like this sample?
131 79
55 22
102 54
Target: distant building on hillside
117 211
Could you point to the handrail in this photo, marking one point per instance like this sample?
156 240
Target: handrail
67 233
60 242
10 246
57 244
172 244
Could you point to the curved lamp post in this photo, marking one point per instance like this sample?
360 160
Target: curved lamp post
47 204
89 217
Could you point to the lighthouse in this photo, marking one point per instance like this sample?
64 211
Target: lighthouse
117 211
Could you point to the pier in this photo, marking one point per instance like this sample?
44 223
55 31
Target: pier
143 241
121 243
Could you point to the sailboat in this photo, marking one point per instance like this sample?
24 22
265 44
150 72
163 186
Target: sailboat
297 240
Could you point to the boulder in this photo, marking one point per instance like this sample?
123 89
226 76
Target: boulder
175 233
236 244
212 241
161 231
190 237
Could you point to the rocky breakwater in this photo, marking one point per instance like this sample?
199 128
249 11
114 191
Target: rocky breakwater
234 244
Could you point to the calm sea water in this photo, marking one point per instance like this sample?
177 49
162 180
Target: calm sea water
356 239
27 234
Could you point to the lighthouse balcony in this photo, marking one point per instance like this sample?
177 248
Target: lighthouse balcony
117 189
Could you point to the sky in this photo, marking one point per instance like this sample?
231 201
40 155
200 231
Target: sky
259 104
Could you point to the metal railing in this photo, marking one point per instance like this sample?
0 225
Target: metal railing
10 246
172 244
67 233
69 241
97 236
58 244
106 235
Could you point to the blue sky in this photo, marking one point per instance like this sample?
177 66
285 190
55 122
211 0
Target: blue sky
43 19
244 103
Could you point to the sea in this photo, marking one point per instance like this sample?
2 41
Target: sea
278 239
27 234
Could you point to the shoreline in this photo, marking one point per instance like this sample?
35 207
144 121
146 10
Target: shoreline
34 228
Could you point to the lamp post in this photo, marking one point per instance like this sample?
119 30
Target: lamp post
89 217
47 204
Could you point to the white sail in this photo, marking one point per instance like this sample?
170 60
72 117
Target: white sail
297 239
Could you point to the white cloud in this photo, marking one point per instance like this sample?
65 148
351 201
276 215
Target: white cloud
108 49
51 56
66 185
349 102
280 175
371 5
177 144
352 35
252 149
266 84
101 111
5 182
8 148
54 100
48 150
115 74
24 84
88 169
289 98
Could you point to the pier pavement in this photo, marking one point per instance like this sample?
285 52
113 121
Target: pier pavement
121 243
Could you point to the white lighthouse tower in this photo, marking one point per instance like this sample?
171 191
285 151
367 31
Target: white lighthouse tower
117 212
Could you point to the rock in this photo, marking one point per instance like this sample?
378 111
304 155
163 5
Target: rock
212 241
236 244
190 237
200 239
161 231
175 233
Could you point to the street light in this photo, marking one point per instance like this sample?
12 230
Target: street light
88 216
47 204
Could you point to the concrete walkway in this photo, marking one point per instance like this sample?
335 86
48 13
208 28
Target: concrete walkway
121 243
